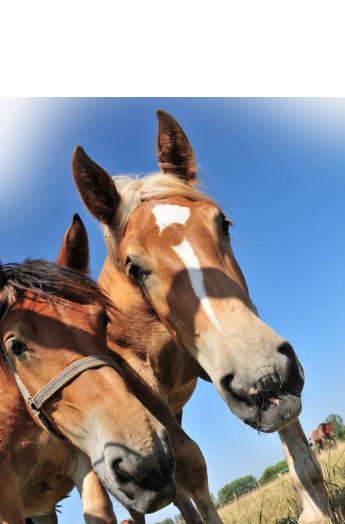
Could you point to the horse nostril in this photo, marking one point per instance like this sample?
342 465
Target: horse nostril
148 478
122 476
294 379
227 381
286 349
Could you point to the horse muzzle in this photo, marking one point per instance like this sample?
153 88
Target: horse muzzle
139 483
269 398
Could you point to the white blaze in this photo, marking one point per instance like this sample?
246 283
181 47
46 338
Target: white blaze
167 214
187 255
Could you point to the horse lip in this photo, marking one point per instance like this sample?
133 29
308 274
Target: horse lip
276 417
267 418
257 398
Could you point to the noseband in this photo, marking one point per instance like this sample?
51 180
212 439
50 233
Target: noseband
37 401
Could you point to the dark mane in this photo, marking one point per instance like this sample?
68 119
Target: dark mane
49 282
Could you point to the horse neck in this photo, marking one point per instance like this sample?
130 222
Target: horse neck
164 365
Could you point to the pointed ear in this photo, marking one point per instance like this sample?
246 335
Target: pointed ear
175 154
95 186
74 252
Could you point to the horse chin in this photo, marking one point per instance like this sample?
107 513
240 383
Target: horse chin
271 417
139 499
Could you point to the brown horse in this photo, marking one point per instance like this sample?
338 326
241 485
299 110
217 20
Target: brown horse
55 370
323 436
172 242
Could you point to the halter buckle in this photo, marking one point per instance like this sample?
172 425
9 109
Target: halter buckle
34 406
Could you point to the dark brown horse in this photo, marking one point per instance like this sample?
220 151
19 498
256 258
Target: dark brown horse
65 403
172 243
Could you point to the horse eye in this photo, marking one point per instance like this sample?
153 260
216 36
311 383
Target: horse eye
226 223
105 320
16 346
136 272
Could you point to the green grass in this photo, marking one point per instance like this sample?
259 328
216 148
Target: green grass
277 503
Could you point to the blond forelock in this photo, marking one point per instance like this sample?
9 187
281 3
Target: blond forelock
134 190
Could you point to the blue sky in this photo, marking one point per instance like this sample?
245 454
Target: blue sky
276 166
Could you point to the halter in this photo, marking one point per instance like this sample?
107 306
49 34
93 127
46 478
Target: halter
35 403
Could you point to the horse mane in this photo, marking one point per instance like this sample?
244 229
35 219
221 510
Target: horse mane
136 189
49 282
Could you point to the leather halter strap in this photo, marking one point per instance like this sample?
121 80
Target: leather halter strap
37 401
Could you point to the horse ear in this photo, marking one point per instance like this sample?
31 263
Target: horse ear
175 154
95 186
74 252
